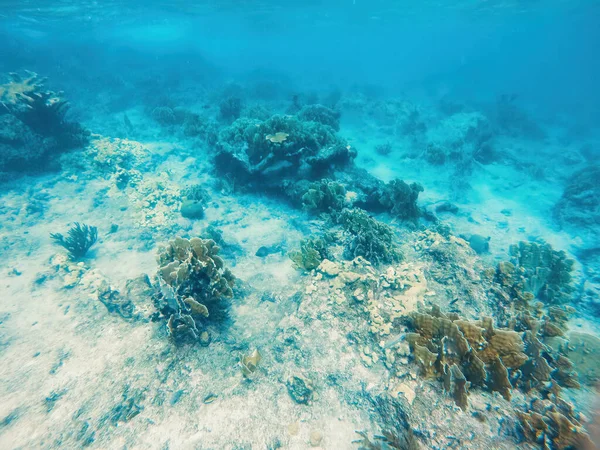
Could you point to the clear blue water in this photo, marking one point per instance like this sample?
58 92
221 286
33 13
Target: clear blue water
226 120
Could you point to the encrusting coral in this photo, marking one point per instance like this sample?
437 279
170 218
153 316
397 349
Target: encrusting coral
194 288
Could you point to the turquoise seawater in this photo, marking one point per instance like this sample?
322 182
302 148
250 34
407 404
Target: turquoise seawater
336 224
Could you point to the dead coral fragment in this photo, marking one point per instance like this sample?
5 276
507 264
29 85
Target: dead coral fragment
249 363
79 239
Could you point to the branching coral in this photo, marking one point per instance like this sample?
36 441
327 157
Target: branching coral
536 271
326 196
321 114
312 252
194 288
78 240
368 237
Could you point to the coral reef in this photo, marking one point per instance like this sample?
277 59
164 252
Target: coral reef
536 271
312 252
400 199
34 127
367 237
78 241
320 114
193 288
265 153
325 196
194 200
458 351
580 202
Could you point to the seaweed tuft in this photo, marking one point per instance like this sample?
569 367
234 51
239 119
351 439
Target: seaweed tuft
78 241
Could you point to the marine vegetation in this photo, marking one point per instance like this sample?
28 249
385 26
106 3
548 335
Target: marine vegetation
78 241
367 237
194 288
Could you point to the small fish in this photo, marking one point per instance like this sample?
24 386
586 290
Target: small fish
209 399
265 251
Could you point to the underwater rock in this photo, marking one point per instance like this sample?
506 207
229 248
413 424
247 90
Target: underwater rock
300 389
478 243
265 250
194 201
193 288
579 205
447 207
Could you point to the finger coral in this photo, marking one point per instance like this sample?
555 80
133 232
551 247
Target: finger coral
194 289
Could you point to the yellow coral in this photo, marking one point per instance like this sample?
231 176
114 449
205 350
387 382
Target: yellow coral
277 138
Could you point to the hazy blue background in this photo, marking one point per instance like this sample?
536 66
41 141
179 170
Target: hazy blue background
546 52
